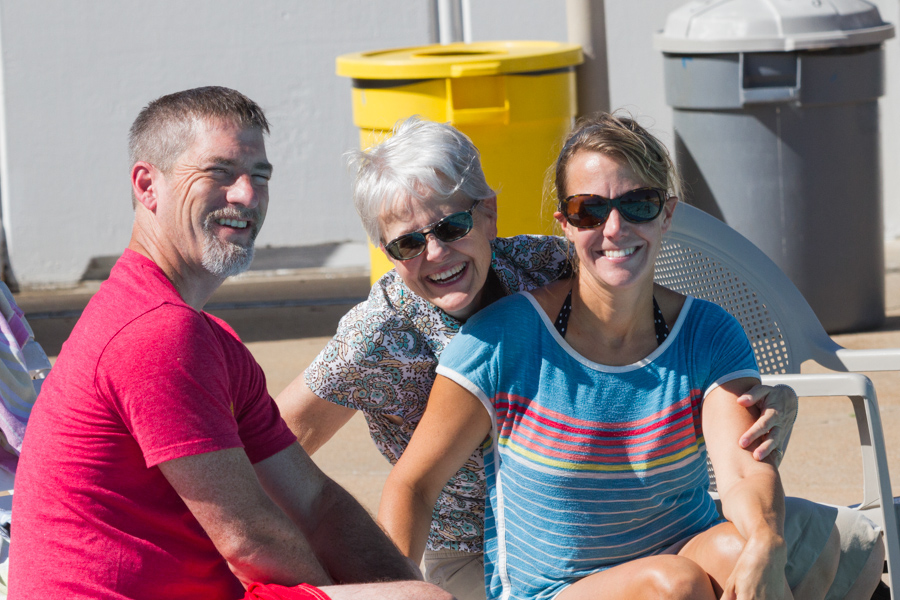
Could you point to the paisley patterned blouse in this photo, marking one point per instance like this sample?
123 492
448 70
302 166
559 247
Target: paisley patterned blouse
382 361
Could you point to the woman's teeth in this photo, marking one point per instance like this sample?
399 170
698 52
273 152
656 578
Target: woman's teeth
618 253
448 274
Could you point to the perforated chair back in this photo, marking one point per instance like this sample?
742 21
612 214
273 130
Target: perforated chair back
705 258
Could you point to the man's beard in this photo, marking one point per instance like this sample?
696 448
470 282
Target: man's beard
222 258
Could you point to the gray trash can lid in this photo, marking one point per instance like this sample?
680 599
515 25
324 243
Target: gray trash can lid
722 26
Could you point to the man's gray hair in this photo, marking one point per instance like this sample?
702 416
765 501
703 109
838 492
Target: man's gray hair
422 160
166 127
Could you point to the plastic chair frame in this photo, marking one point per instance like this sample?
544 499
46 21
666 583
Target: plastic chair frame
705 258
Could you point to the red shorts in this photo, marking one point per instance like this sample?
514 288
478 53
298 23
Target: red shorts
271 591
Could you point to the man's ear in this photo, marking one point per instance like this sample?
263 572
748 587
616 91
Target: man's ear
144 178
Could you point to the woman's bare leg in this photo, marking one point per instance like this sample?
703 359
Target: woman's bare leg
716 552
664 576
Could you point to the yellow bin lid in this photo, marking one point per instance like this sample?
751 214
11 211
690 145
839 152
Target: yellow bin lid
459 60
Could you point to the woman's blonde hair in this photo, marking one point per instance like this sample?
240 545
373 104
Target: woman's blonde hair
623 138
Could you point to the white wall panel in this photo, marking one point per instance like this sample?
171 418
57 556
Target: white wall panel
74 76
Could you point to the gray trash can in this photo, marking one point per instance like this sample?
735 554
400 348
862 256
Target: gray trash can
776 133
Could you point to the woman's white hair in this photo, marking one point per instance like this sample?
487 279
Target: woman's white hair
424 161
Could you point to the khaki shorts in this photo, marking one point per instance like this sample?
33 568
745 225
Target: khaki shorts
807 526
456 572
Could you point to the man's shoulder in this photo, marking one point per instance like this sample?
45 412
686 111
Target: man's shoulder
135 285
135 295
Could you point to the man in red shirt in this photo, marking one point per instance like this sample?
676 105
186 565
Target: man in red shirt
156 465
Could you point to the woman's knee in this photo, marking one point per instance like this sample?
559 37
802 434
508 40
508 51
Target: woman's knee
724 547
677 577
716 551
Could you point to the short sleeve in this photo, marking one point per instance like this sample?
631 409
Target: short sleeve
728 353
527 262
166 374
473 359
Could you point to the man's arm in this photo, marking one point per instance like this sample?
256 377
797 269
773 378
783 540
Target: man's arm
256 538
347 542
283 521
313 420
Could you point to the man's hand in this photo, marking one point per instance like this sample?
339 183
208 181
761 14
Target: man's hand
778 410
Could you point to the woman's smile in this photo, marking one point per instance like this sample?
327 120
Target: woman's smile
449 276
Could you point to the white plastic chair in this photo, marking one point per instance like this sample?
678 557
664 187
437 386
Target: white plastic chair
705 258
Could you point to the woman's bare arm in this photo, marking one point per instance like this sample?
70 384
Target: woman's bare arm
751 492
313 420
455 423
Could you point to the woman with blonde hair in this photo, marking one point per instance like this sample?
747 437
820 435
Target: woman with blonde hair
596 401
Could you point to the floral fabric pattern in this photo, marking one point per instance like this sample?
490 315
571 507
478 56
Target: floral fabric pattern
382 361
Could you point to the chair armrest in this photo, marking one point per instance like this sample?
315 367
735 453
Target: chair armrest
878 499
859 389
886 359
824 384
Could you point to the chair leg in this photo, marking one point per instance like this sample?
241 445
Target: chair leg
876 479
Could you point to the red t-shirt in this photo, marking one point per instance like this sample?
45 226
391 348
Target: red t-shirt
143 379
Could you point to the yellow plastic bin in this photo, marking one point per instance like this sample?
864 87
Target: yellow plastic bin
515 100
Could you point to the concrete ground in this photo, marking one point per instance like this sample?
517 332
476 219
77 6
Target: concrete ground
287 319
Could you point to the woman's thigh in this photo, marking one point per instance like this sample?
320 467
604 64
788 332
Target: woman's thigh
662 576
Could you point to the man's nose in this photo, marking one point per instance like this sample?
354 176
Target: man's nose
243 192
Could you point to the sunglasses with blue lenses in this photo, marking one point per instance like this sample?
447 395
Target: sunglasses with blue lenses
590 210
449 229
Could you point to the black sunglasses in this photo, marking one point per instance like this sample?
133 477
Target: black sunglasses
449 229
590 210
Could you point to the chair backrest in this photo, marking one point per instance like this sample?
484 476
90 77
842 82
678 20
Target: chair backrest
705 258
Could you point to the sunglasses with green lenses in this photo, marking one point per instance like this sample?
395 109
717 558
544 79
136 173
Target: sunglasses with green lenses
590 210
449 229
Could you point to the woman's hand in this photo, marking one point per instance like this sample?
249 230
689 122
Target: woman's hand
759 573
778 410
